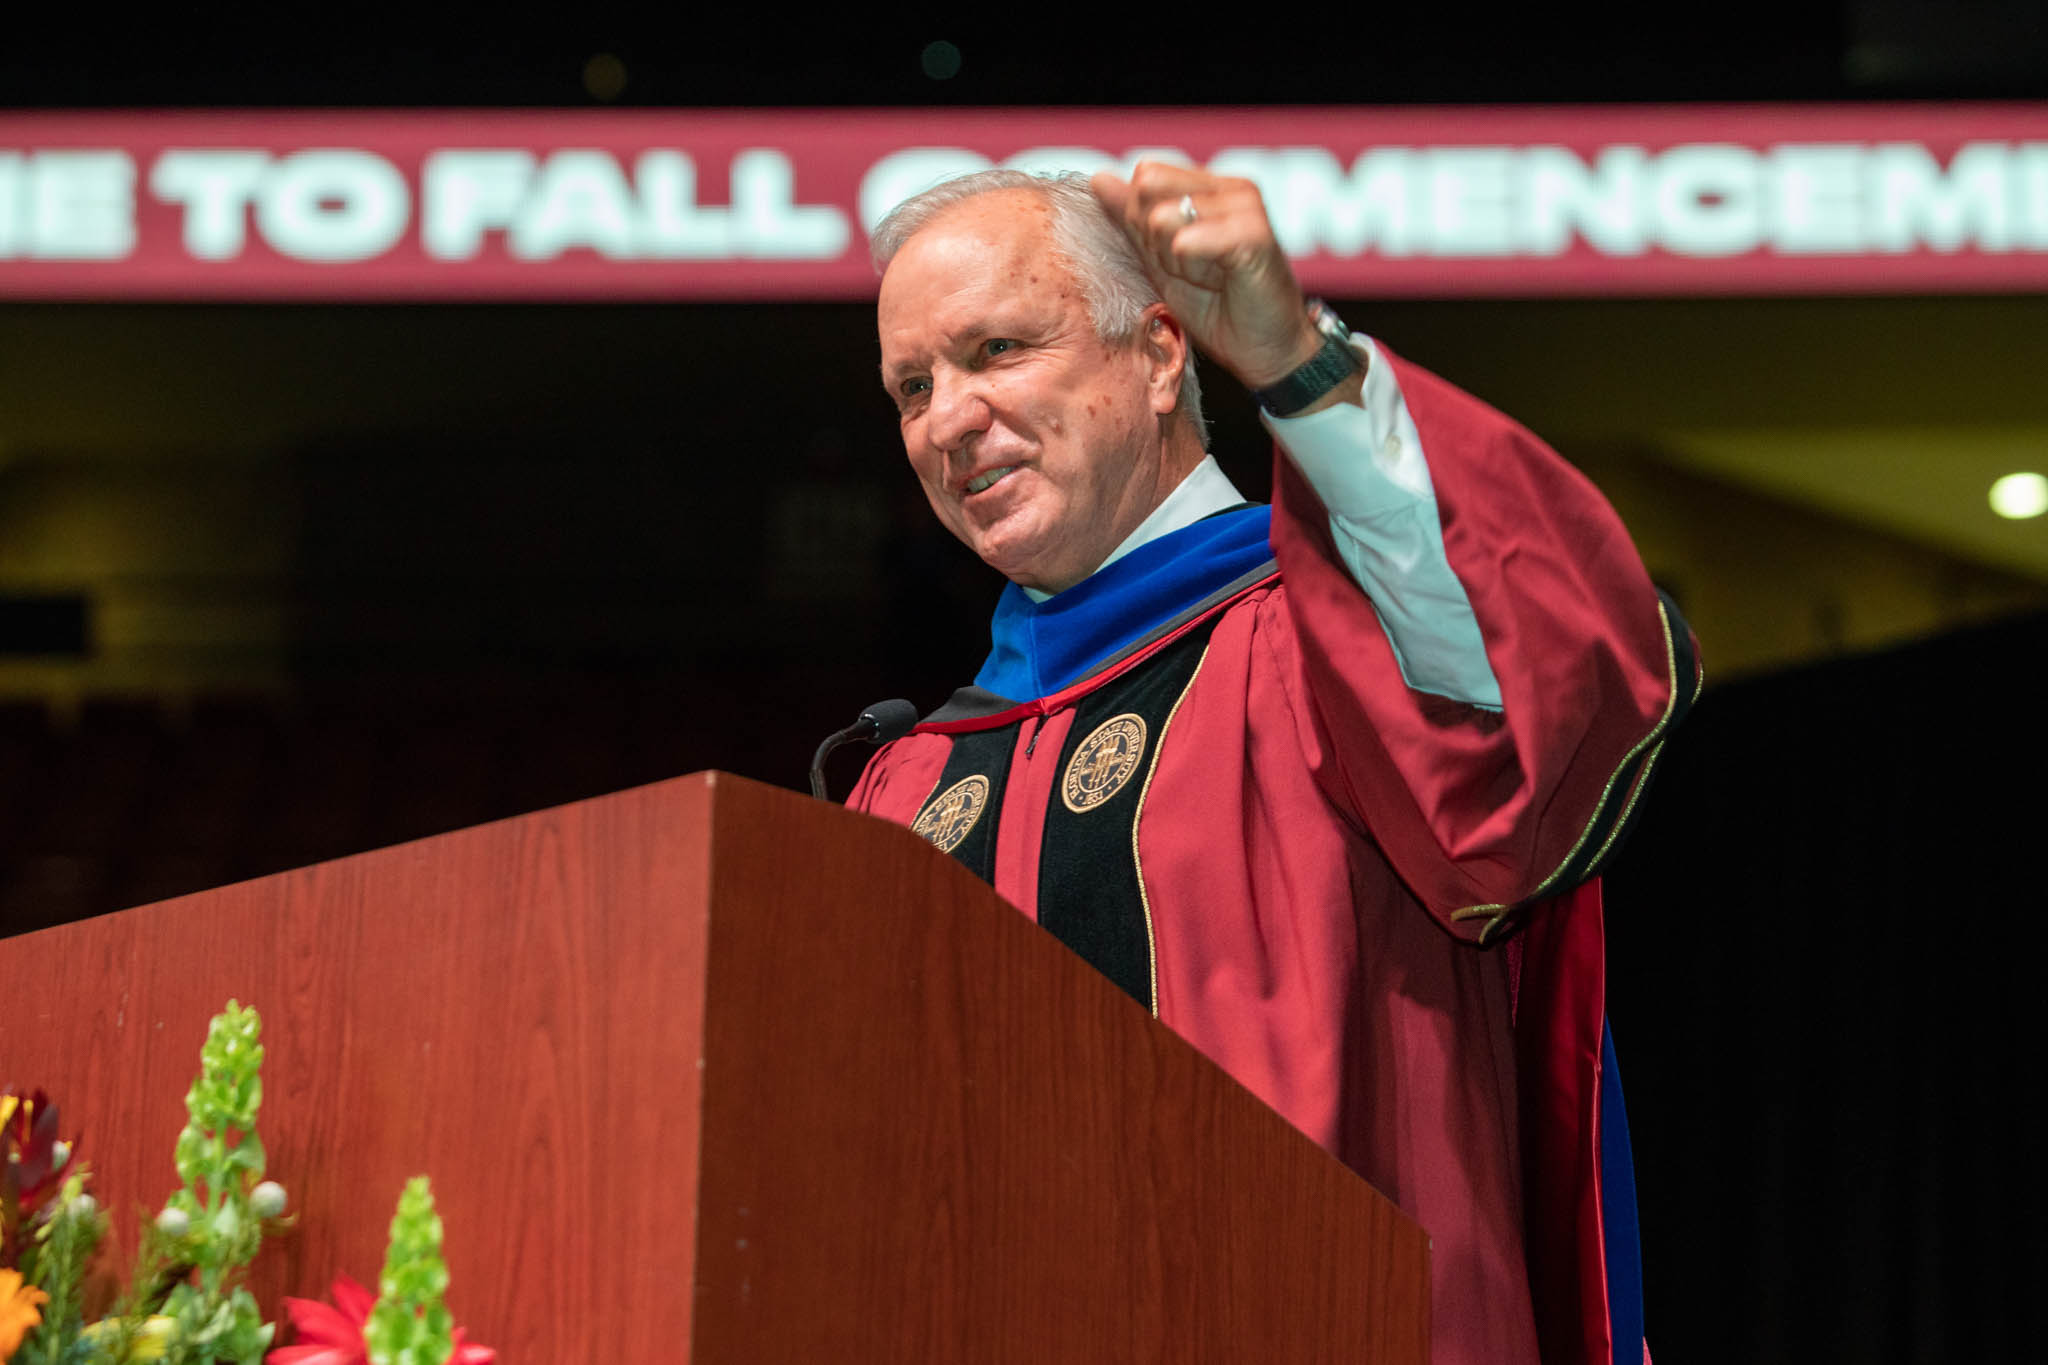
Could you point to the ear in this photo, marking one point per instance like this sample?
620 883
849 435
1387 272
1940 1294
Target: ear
1165 345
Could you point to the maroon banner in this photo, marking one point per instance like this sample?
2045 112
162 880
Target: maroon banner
745 204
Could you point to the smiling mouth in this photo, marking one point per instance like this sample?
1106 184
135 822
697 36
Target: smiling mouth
990 479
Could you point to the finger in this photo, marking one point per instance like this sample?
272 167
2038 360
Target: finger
1157 183
1163 179
1153 184
1163 221
1203 253
1221 235
1113 193
1125 206
1159 191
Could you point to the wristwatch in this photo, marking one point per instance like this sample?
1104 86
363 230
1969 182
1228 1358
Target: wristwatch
1332 364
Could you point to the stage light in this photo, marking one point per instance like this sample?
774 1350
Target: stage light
941 60
604 77
2019 496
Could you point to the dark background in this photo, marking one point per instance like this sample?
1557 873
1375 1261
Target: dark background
1826 988
1361 54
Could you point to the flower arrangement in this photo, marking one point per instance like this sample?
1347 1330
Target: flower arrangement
408 1325
184 1302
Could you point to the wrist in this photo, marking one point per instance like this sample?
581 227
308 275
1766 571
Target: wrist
1326 374
1307 341
1350 391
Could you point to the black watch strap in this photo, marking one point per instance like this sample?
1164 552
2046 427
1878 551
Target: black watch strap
1332 364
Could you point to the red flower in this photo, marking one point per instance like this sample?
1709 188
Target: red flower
332 1334
28 1146
32 1163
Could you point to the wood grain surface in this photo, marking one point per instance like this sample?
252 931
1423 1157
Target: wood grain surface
509 1009
932 1133
710 1071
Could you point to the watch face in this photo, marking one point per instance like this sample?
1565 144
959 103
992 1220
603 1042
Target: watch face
1326 320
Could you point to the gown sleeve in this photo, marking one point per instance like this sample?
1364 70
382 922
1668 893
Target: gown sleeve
1483 811
1367 467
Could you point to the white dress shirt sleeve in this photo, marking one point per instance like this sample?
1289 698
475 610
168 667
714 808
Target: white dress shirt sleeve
1367 465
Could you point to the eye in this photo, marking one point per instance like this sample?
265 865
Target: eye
912 388
996 346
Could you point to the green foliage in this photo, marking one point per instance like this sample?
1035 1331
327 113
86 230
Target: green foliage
220 1158
185 1303
215 1327
409 1324
162 1262
64 1243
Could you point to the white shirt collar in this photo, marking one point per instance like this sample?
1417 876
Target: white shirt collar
1206 491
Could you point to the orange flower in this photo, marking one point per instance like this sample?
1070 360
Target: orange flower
21 1307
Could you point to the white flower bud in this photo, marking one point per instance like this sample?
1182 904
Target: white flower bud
85 1207
173 1223
60 1152
267 1199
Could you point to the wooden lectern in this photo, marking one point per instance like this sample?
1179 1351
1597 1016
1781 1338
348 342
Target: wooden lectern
708 1071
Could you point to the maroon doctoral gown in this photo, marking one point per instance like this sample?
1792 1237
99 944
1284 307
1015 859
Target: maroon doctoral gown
1249 820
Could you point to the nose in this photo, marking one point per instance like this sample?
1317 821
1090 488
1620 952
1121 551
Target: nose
956 412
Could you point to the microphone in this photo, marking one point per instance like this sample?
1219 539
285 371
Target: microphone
880 723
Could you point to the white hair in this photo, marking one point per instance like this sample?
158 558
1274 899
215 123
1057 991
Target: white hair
1112 278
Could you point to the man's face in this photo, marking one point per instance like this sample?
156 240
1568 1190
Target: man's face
1038 443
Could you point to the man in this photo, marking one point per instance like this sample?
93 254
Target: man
1286 775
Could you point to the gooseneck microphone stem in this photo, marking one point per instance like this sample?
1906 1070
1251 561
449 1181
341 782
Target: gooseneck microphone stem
860 729
879 724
